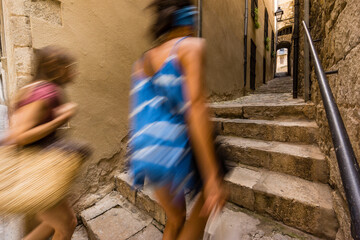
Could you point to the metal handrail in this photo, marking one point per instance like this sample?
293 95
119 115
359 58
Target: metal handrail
348 165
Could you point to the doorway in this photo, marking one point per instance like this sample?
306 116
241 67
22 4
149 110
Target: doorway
253 66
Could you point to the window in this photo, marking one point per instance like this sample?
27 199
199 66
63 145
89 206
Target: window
285 31
266 25
254 4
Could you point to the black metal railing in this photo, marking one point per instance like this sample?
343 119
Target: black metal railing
348 165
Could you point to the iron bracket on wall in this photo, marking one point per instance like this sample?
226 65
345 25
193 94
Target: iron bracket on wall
332 72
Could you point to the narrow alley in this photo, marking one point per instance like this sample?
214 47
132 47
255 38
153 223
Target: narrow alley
281 80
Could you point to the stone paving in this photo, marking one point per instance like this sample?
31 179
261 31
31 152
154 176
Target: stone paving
118 217
277 85
276 91
115 218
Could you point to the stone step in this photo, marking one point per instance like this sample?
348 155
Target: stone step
264 111
80 233
294 201
235 222
144 199
304 161
264 106
114 218
276 130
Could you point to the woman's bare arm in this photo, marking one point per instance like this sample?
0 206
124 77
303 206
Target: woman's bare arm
24 124
192 57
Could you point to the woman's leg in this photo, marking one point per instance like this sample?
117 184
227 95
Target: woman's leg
60 218
195 225
41 232
175 212
176 226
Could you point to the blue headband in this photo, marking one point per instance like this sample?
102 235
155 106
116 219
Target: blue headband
185 16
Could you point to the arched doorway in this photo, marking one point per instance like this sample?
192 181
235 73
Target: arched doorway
283 58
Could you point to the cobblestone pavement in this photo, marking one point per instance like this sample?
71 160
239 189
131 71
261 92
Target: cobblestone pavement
277 85
276 91
264 100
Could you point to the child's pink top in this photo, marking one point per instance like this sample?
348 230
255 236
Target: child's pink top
43 91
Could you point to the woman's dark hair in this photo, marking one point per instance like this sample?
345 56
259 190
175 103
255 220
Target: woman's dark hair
51 62
164 10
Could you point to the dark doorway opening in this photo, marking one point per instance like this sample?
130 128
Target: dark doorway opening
264 71
253 66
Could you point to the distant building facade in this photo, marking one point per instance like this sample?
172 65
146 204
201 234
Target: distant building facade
224 29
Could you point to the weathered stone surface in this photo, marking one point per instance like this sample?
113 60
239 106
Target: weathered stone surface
48 10
22 80
343 214
143 199
282 131
338 24
240 184
80 233
277 85
108 202
237 224
115 218
265 106
150 232
20 31
117 223
23 59
251 224
123 185
19 7
296 202
305 161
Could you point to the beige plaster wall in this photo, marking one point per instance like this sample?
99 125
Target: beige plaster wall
257 35
106 36
223 28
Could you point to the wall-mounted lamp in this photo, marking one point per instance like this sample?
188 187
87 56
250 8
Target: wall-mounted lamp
279 13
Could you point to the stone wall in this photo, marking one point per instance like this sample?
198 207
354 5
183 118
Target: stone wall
288 7
106 36
337 23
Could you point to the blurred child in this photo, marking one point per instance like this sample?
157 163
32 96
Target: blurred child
38 110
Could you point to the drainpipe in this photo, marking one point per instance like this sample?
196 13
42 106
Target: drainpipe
200 8
275 47
306 54
296 49
246 23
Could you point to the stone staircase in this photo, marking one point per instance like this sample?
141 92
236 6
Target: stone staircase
280 171
278 188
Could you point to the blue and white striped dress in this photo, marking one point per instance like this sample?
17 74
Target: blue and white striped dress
159 141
